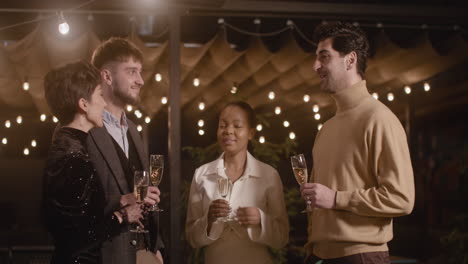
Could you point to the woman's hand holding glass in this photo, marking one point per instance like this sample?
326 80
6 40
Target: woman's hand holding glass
248 216
218 209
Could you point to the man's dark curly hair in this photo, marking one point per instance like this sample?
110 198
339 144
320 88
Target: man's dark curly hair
346 38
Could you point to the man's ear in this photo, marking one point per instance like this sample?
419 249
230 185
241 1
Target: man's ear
106 76
352 59
83 105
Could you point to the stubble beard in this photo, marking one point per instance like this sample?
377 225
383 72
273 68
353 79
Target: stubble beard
125 97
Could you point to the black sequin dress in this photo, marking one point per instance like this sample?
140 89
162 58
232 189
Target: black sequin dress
73 204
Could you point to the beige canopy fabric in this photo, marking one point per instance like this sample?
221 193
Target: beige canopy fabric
256 70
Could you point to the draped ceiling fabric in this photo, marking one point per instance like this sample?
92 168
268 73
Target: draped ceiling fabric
257 70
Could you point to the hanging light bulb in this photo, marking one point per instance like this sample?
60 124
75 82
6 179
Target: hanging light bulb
376 96
19 119
138 113
63 26
407 89
26 151
129 108
26 84
158 77
196 82
271 95
7 124
164 100
259 127
43 117
201 106
317 116
292 135
390 97
306 98
277 110
147 120
234 88
201 123
33 143
4 141
139 128
319 126
261 139
427 87
201 132
286 123
55 119
315 108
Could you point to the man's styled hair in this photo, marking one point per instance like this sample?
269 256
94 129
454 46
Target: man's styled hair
346 38
115 49
65 86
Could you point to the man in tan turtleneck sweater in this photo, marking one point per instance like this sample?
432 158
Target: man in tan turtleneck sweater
362 175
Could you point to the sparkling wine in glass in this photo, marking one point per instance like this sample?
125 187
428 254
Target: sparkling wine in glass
140 189
156 173
299 167
224 186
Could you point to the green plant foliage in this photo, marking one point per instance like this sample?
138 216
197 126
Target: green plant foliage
455 244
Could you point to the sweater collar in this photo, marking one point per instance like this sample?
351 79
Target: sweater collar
350 97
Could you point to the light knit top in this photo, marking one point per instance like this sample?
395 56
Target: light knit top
362 153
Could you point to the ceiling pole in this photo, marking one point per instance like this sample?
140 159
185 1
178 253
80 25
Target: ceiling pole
174 137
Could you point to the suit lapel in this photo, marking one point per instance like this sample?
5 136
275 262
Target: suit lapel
138 144
106 147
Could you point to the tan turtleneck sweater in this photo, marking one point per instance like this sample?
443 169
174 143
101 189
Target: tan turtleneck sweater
362 153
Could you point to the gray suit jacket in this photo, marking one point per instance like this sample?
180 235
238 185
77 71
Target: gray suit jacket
119 249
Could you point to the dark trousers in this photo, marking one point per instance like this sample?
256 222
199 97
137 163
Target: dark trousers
380 257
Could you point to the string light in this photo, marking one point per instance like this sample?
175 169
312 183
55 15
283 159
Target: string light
26 151
306 98
234 88
129 108
33 143
55 119
201 123
277 110
138 114
7 124
390 97
201 106
319 126
317 116
147 120
261 139
286 123
376 96
196 82
26 85
292 135
315 108
271 95
139 128
43 117
427 87
158 77
164 100
259 127
201 132
63 26
4 141
19 119
407 89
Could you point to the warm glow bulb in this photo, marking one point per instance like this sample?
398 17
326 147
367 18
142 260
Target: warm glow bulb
201 106
427 87
407 89
147 120
138 113
376 96
26 151
261 139
196 82
315 108
306 98
55 119
33 143
319 126
271 95
292 135
19 119
158 77
129 108
277 110
64 28
234 90
26 86
259 127
4 141
164 100
390 97
7 124
139 128
201 123
317 116
286 123
201 132
43 117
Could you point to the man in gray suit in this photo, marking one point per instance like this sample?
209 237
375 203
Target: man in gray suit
116 150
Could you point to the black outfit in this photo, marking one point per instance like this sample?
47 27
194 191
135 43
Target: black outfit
73 204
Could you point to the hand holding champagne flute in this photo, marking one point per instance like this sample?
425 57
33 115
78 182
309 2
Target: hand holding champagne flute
140 189
156 173
299 167
224 186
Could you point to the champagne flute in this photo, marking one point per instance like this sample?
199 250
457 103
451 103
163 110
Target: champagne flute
156 173
299 167
140 189
224 185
